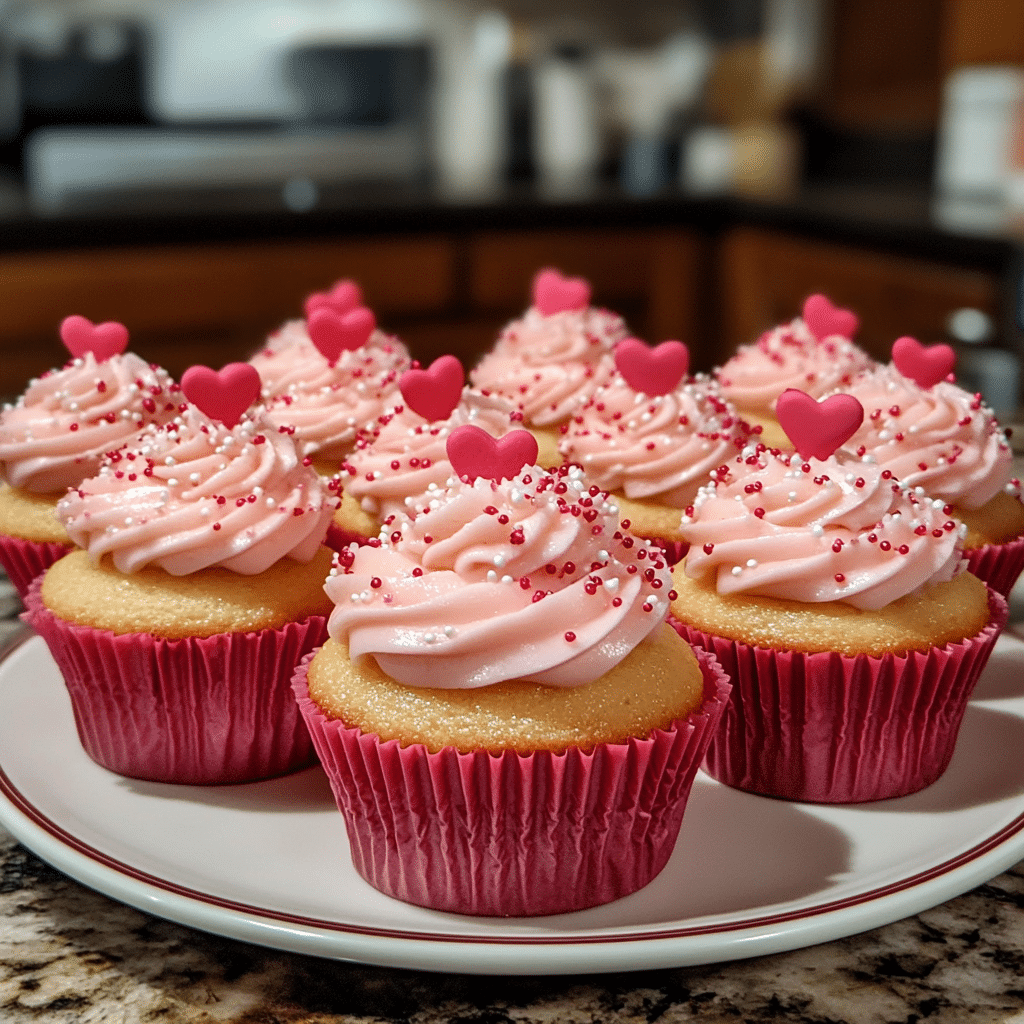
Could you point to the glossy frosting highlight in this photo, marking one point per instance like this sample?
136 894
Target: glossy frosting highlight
530 578
838 529
58 431
193 494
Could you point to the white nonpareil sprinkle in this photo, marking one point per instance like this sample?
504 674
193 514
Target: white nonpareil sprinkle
736 570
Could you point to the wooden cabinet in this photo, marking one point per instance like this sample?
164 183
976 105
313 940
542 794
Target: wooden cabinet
765 277
441 293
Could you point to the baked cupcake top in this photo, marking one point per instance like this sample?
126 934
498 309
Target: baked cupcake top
938 438
814 352
329 377
196 493
403 460
58 431
529 577
657 436
841 528
556 355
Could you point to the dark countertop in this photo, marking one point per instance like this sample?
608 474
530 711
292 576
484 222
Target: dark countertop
906 220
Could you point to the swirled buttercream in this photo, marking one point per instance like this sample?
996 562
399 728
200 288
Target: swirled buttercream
841 529
403 459
942 439
789 356
58 431
660 447
530 578
550 365
327 405
192 494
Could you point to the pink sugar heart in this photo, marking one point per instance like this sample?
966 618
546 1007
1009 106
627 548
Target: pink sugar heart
553 293
654 371
334 333
433 393
817 429
102 340
825 320
926 365
222 394
473 452
343 297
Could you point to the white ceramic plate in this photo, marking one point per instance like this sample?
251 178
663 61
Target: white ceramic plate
268 862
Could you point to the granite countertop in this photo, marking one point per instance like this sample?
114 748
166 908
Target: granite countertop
69 954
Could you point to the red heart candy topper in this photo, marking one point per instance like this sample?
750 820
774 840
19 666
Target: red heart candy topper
102 340
826 321
343 297
553 293
222 394
435 392
654 371
926 365
474 453
817 429
333 333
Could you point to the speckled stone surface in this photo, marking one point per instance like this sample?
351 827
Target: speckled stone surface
70 955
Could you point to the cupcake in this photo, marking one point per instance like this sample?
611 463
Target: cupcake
398 465
553 359
651 436
836 599
501 677
814 353
197 590
331 375
947 444
57 432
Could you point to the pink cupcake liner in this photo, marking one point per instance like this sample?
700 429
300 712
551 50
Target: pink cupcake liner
338 538
200 711
998 565
831 728
24 560
510 834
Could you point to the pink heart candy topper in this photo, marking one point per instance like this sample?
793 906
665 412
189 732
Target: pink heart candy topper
222 394
333 333
817 429
825 320
343 297
102 340
654 371
473 452
926 365
554 293
433 393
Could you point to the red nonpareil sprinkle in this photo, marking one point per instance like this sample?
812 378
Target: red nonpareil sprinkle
524 582
491 510
922 466
627 542
625 524
837 546
904 549
101 386
886 474
239 502
885 545
297 511
417 571
74 426
216 526
759 512
616 602
647 607
570 636
672 595
395 464
708 548
376 582
427 539
859 482
503 519
631 568
537 596
840 578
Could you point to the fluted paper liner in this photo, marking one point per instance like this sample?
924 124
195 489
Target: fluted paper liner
833 728
23 560
202 710
998 565
509 834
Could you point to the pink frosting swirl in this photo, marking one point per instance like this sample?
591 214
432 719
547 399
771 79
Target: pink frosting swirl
404 458
523 579
789 356
66 421
842 529
662 447
194 494
942 439
328 405
550 365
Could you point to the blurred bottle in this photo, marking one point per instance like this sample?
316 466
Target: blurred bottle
567 135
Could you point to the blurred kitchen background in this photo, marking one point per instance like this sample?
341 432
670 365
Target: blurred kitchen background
706 162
